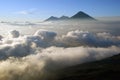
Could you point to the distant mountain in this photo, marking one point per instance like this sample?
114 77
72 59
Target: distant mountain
106 69
64 18
52 18
82 15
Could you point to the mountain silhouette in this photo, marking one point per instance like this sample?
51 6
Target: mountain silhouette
82 15
79 16
52 18
64 17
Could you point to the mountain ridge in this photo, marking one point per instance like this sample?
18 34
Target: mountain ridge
53 18
79 16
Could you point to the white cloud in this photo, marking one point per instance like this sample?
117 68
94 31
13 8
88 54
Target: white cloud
45 34
33 57
85 38
26 12
19 46
40 65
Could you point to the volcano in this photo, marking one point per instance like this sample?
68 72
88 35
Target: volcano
82 15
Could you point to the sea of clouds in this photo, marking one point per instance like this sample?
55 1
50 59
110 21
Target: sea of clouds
36 56
34 51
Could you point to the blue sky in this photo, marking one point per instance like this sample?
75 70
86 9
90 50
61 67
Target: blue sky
42 9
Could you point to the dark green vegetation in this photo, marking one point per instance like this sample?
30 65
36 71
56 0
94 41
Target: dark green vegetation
106 69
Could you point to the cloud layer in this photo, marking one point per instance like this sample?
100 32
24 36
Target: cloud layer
42 64
18 46
35 57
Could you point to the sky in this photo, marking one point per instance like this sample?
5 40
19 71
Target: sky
42 9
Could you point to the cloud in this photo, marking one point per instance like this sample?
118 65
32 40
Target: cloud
35 57
85 38
27 12
19 46
42 65
14 34
45 34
